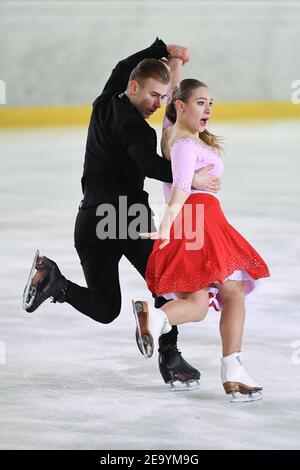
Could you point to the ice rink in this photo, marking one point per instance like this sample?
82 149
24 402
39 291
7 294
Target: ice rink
68 382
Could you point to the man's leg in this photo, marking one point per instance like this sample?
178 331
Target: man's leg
101 301
100 263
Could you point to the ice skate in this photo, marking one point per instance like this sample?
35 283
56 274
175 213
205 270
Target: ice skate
150 324
44 281
237 382
176 372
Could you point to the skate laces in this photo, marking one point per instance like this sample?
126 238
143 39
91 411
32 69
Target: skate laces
213 301
41 261
61 295
239 360
170 346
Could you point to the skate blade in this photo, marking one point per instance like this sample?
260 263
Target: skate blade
177 386
30 291
237 397
144 341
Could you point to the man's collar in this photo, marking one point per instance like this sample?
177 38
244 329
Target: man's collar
122 96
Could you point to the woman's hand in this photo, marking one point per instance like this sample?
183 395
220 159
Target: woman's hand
157 236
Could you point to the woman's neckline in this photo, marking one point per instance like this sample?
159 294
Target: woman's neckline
197 141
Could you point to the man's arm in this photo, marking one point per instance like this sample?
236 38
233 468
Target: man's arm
136 142
120 75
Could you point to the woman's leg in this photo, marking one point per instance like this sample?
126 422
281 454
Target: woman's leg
232 320
233 374
152 323
190 307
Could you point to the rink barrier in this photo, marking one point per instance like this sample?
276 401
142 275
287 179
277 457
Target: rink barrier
79 115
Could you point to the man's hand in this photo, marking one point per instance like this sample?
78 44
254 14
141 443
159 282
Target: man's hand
179 52
205 182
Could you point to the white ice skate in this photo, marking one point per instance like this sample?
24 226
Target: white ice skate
237 382
150 324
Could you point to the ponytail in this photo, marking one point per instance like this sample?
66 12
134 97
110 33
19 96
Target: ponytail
171 109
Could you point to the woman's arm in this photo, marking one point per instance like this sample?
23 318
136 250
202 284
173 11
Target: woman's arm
174 205
183 158
175 66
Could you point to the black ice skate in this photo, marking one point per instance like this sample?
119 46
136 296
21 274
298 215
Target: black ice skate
45 280
176 371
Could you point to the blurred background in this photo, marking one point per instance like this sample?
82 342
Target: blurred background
61 52
66 381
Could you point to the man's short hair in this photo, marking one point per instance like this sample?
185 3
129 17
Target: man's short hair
150 68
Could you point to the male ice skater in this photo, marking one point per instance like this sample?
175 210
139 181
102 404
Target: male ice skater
120 153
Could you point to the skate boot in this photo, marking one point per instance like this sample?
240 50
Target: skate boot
176 372
237 382
45 280
150 324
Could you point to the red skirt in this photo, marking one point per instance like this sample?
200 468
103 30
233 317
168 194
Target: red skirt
189 263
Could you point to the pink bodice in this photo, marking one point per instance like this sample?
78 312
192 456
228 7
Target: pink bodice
187 156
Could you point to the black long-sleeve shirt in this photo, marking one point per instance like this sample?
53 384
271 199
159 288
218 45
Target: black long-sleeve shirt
121 146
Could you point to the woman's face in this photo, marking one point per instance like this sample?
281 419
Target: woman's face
195 113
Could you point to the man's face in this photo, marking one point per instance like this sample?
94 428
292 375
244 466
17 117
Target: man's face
147 97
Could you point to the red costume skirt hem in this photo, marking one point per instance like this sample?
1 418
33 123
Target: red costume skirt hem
204 249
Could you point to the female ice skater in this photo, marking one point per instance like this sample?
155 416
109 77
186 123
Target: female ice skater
197 249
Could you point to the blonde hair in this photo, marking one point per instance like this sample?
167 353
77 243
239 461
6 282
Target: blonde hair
183 92
150 68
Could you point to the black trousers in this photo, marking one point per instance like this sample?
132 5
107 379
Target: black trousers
101 300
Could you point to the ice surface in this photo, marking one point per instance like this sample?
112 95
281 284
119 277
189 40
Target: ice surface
72 383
